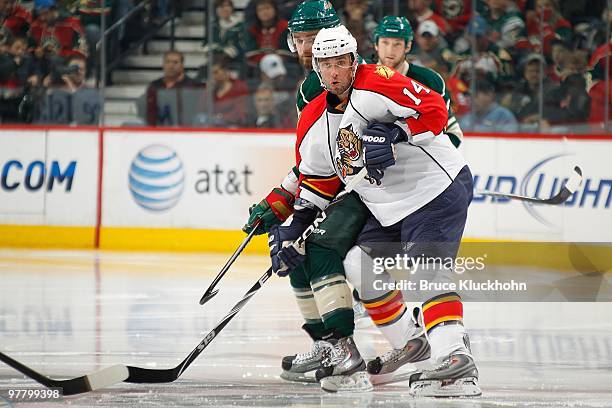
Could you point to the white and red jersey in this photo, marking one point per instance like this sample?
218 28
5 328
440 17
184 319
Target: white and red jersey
425 165
329 148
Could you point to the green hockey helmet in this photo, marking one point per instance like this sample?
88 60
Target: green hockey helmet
312 15
394 27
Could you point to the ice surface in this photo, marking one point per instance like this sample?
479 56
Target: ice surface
68 313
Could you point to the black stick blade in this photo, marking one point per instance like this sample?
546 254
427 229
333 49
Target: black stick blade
90 382
208 295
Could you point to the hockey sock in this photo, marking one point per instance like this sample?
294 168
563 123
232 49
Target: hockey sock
443 321
304 297
331 292
389 314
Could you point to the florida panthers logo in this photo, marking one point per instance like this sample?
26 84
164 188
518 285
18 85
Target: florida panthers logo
349 146
384 71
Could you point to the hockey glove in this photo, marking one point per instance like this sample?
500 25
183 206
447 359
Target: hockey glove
285 257
378 140
272 210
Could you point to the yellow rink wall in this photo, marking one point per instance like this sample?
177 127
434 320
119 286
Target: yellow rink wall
170 239
148 189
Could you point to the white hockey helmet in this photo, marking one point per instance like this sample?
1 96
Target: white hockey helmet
333 42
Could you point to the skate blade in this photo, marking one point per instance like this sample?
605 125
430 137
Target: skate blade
463 387
357 382
308 377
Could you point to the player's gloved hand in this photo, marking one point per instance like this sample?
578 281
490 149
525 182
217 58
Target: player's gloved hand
272 210
378 140
285 257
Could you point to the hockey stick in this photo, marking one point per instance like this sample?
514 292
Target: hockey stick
90 382
566 191
210 292
119 373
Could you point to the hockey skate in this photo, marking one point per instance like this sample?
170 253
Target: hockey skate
301 367
343 369
456 376
416 351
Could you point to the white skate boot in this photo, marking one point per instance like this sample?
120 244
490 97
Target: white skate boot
416 351
456 376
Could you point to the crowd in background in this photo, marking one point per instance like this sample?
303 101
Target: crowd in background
497 59
55 45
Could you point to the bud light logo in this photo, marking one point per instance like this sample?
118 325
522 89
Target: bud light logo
156 178
543 180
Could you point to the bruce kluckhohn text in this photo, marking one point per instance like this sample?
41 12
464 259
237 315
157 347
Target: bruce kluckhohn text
462 285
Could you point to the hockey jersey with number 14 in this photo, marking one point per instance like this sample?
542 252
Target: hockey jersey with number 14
425 165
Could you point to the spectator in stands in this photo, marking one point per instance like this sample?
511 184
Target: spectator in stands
268 34
14 17
458 89
230 95
487 115
428 47
360 22
456 13
272 69
523 101
74 77
66 31
547 22
569 103
488 58
227 32
560 55
274 74
16 75
420 10
507 25
266 113
174 78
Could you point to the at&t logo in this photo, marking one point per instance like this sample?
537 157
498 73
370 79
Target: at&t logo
156 178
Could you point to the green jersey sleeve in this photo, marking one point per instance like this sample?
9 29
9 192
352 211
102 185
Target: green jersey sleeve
309 89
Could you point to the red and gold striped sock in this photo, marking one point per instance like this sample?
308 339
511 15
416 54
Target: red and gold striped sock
386 309
442 309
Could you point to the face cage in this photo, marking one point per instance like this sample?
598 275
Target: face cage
317 70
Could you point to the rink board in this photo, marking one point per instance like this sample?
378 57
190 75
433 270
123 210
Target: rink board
190 190
49 187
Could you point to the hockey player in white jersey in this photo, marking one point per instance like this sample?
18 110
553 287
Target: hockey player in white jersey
418 190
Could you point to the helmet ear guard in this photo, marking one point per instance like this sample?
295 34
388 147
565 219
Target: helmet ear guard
291 43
